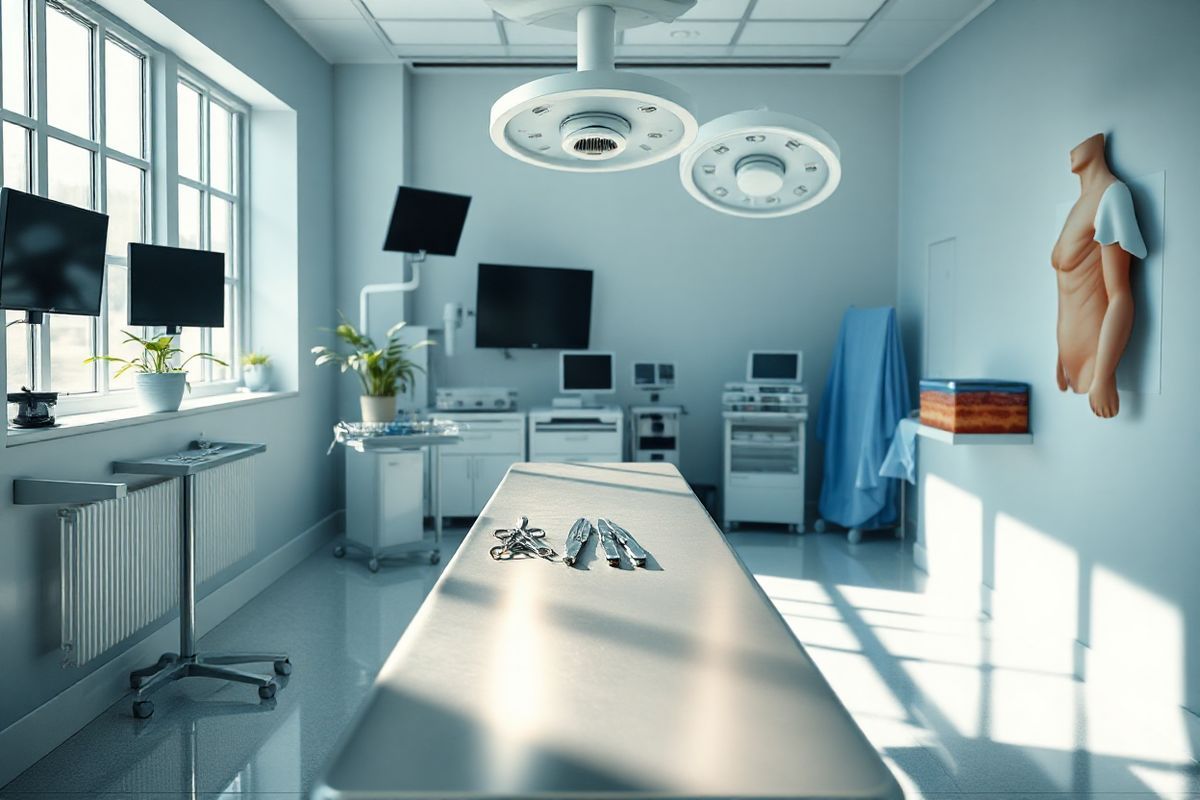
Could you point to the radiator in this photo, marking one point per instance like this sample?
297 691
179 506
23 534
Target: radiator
120 558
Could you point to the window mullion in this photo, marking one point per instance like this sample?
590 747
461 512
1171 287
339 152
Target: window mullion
100 343
41 338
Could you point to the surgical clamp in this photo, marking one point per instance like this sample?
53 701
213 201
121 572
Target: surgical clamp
521 540
580 533
636 554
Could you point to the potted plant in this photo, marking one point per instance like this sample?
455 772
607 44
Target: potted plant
256 371
383 371
159 384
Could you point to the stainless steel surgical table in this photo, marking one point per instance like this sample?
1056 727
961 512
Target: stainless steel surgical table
529 679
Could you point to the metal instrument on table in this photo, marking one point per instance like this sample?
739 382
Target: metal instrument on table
580 533
608 543
637 555
521 540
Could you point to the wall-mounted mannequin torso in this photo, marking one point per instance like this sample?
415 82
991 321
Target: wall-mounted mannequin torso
1091 260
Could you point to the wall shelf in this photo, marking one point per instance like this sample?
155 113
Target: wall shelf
937 434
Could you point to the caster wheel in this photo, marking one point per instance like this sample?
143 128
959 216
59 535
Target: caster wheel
143 709
266 692
855 536
283 667
819 526
435 557
373 565
339 551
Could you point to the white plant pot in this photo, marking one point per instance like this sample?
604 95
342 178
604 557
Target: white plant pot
160 391
378 409
257 377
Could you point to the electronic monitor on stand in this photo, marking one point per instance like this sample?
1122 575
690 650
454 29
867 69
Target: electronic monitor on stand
174 287
653 377
583 374
51 262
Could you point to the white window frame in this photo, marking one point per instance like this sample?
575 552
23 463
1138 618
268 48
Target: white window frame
160 149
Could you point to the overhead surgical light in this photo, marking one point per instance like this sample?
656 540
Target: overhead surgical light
761 164
595 119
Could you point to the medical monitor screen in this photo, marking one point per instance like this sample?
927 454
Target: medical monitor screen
425 221
587 372
774 367
533 307
174 286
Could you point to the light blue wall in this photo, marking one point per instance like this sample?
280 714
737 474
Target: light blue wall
1094 525
674 280
294 479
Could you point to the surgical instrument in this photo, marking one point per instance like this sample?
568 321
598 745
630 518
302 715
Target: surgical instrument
521 540
636 554
581 533
608 542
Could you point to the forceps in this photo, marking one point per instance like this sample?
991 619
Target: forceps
580 533
521 540
613 531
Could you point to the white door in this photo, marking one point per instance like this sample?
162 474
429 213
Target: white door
489 471
401 492
456 484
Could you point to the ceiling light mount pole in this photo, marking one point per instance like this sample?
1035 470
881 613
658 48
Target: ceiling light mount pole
597 30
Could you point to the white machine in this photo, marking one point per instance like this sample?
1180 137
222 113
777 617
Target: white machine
583 374
487 398
576 434
654 433
765 432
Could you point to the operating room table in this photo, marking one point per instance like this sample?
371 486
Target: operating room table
527 678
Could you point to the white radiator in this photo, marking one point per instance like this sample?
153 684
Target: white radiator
120 558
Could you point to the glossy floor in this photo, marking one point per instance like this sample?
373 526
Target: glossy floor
954 709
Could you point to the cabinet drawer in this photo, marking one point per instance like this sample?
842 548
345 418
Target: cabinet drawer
484 440
576 443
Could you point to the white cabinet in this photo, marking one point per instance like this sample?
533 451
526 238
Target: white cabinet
383 497
764 468
593 435
472 469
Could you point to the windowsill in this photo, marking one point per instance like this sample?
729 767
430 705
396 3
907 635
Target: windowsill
78 424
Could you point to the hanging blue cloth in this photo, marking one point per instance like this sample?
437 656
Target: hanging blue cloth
865 396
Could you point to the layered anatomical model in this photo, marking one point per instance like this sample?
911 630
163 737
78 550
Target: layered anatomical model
1091 261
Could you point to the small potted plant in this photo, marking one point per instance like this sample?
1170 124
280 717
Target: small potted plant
382 371
256 371
159 384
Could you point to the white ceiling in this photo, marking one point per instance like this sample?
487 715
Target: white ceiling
880 36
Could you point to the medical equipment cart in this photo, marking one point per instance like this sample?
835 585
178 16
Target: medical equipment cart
654 433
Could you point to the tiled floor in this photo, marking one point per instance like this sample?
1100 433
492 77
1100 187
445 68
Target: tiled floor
955 710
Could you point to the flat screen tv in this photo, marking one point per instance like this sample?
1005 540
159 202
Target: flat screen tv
51 255
176 287
426 221
533 307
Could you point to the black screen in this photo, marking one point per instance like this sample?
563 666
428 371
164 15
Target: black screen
173 286
51 256
533 307
774 367
586 372
643 374
424 220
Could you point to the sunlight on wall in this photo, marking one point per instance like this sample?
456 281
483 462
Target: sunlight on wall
953 540
1036 580
1135 636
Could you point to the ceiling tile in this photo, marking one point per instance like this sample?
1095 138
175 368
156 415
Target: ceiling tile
717 9
816 9
656 52
536 34
425 32
683 32
343 40
932 9
316 9
429 9
799 33
914 35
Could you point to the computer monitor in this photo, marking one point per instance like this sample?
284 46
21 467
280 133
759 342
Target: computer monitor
586 373
176 287
775 366
426 222
51 256
535 307
650 376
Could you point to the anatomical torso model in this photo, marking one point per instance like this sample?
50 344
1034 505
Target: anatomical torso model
1091 261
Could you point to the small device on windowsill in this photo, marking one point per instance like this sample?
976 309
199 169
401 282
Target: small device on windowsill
34 409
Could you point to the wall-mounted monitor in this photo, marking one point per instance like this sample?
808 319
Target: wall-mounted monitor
775 366
586 372
652 376
425 221
533 307
51 256
176 287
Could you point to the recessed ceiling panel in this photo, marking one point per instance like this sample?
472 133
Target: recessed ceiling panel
799 33
816 9
536 34
717 9
912 34
316 9
343 40
683 32
428 9
427 32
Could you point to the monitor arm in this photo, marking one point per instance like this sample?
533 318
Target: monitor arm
364 295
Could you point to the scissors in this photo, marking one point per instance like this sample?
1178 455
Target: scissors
521 540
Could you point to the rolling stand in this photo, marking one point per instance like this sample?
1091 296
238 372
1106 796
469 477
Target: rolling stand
187 663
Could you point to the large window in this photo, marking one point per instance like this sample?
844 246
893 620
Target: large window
75 106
